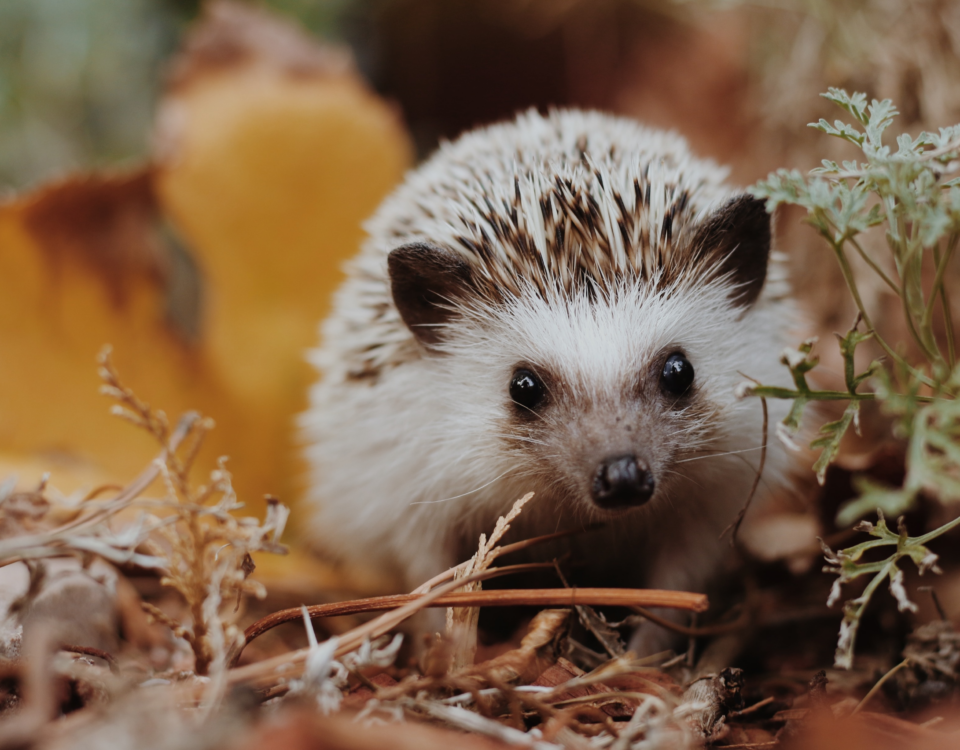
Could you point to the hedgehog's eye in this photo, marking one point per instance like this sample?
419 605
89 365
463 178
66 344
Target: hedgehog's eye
677 375
526 389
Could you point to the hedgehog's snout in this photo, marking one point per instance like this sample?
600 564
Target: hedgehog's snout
622 482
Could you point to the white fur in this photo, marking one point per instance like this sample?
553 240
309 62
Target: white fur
414 461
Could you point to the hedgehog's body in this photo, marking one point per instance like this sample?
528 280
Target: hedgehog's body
567 304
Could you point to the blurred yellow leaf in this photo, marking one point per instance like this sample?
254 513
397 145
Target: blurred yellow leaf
81 266
270 153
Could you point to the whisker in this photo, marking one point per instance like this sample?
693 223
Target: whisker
457 497
521 438
687 477
719 454
537 415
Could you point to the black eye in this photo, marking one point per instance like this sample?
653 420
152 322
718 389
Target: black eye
526 389
677 376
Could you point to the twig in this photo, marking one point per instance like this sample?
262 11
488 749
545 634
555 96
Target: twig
750 709
272 668
692 632
91 651
371 604
499 552
879 684
97 491
503 598
443 597
936 601
735 526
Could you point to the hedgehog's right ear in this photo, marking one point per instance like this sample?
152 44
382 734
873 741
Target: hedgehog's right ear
735 240
426 281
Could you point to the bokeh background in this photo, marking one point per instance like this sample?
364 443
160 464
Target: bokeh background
80 79
184 179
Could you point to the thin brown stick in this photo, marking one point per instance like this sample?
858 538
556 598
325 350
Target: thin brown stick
496 553
271 621
750 709
692 632
879 684
502 598
443 597
274 668
91 651
735 526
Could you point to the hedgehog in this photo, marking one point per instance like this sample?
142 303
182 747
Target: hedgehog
563 304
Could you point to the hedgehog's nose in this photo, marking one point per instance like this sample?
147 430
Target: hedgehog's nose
622 482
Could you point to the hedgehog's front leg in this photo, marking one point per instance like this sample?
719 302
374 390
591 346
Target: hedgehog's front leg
689 555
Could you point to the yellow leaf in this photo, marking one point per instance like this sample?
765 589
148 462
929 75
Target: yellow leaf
81 266
271 152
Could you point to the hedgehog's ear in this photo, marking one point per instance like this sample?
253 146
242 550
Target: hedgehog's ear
737 239
426 281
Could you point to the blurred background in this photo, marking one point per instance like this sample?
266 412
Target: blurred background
79 79
190 176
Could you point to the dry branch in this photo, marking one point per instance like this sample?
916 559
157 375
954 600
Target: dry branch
596 597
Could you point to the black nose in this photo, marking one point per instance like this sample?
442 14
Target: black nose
622 482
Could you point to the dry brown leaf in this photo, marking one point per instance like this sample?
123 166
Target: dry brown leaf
538 650
309 731
582 696
787 536
866 729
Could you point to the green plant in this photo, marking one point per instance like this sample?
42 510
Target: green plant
907 193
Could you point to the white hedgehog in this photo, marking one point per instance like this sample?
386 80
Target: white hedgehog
560 304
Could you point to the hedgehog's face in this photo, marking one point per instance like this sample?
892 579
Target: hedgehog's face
623 477
602 399
595 397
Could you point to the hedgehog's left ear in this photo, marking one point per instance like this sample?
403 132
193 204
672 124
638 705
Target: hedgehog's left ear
426 281
737 239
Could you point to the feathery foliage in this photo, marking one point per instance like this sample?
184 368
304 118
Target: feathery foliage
908 192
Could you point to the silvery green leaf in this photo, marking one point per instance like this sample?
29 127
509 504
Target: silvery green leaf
881 114
872 497
945 137
855 104
829 167
840 129
829 442
782 186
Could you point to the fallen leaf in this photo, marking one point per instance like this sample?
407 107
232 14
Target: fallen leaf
207 271
787 536
538 650
82 265
271 153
